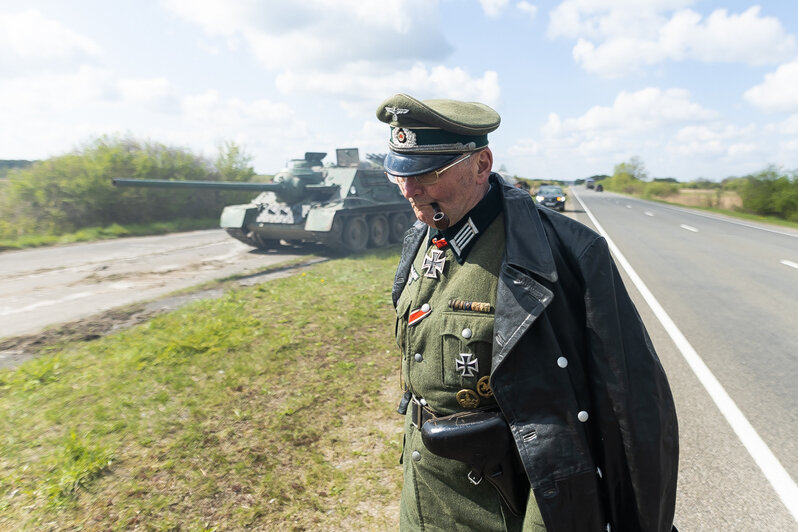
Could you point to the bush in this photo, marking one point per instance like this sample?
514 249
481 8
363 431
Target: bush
771 193
73 191
661 189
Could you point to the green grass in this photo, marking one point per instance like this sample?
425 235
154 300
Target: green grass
91 234
272 407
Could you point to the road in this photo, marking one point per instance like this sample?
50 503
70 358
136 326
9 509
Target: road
730 289
48 286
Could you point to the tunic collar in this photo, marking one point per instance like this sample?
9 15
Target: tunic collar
462 235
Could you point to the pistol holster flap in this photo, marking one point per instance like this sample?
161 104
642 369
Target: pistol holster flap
482 440
467 436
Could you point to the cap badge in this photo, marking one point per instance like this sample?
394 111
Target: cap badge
403 136
396 111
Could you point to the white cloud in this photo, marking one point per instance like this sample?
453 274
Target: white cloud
617 38
633 113
786 127
362 82
323 34
29 36
779 91
154 93
527 8
52 93
711 139
640 123
493 8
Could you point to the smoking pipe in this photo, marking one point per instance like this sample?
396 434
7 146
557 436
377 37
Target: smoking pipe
439 218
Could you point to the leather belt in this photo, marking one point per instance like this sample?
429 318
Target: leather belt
419 413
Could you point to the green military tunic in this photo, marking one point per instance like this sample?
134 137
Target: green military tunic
446 362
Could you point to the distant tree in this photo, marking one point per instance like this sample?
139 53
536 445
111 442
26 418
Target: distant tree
7 165
628 177
771 192
233 164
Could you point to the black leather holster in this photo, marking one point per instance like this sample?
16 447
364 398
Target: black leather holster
483 441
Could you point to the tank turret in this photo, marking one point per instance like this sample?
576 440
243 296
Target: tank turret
350 204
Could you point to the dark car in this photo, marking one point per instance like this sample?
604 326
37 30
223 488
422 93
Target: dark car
552 197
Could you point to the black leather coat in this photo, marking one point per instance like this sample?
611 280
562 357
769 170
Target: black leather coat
576 376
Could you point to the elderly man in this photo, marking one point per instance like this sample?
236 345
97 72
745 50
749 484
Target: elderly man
524 361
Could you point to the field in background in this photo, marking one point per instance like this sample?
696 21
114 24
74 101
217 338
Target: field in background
717 199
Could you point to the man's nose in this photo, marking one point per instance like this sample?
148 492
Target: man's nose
411 188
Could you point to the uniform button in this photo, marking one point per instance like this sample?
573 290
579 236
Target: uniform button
582 416
466 333
416 456
425 307
418 357
562 362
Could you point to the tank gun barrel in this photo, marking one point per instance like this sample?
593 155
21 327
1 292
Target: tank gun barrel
216 185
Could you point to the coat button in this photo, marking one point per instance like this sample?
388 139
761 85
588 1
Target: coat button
418 357
425 307
582 416
562 362
466 333
416 456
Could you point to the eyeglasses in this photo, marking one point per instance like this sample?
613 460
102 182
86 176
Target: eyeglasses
429 178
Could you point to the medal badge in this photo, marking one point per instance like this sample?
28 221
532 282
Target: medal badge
434 262
467 365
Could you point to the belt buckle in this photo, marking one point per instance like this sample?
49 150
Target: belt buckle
417 420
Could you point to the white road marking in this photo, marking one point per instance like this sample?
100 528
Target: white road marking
689 228
47 303
790 263
649 213
778 477
727 220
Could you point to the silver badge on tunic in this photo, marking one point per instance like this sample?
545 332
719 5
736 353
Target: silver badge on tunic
414 276
467 365
433 264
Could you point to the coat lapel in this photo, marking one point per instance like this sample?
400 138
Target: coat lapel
520 299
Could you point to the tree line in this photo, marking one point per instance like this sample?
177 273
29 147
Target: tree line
770 192
66 193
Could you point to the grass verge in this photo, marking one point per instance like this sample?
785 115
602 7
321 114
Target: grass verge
270 407
90 234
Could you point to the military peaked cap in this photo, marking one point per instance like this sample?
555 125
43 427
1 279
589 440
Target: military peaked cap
427 135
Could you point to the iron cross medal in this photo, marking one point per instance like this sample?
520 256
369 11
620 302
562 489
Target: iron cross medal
433 263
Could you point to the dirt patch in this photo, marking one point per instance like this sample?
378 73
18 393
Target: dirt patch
16 350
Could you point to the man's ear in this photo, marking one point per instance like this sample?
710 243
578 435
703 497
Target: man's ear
484 165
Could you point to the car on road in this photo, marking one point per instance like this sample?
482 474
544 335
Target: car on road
552 197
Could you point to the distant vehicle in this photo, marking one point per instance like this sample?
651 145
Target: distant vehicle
590 182
552 197
599 188
349 205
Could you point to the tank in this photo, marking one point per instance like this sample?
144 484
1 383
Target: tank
350 204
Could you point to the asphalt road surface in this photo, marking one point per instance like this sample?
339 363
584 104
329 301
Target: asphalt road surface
48 286
727 332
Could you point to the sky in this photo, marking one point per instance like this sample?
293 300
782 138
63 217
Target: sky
693 88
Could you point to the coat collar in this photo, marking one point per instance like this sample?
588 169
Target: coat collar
527 246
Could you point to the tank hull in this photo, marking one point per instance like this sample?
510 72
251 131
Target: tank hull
349 205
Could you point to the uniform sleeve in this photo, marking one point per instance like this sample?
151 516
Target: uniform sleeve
636 439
